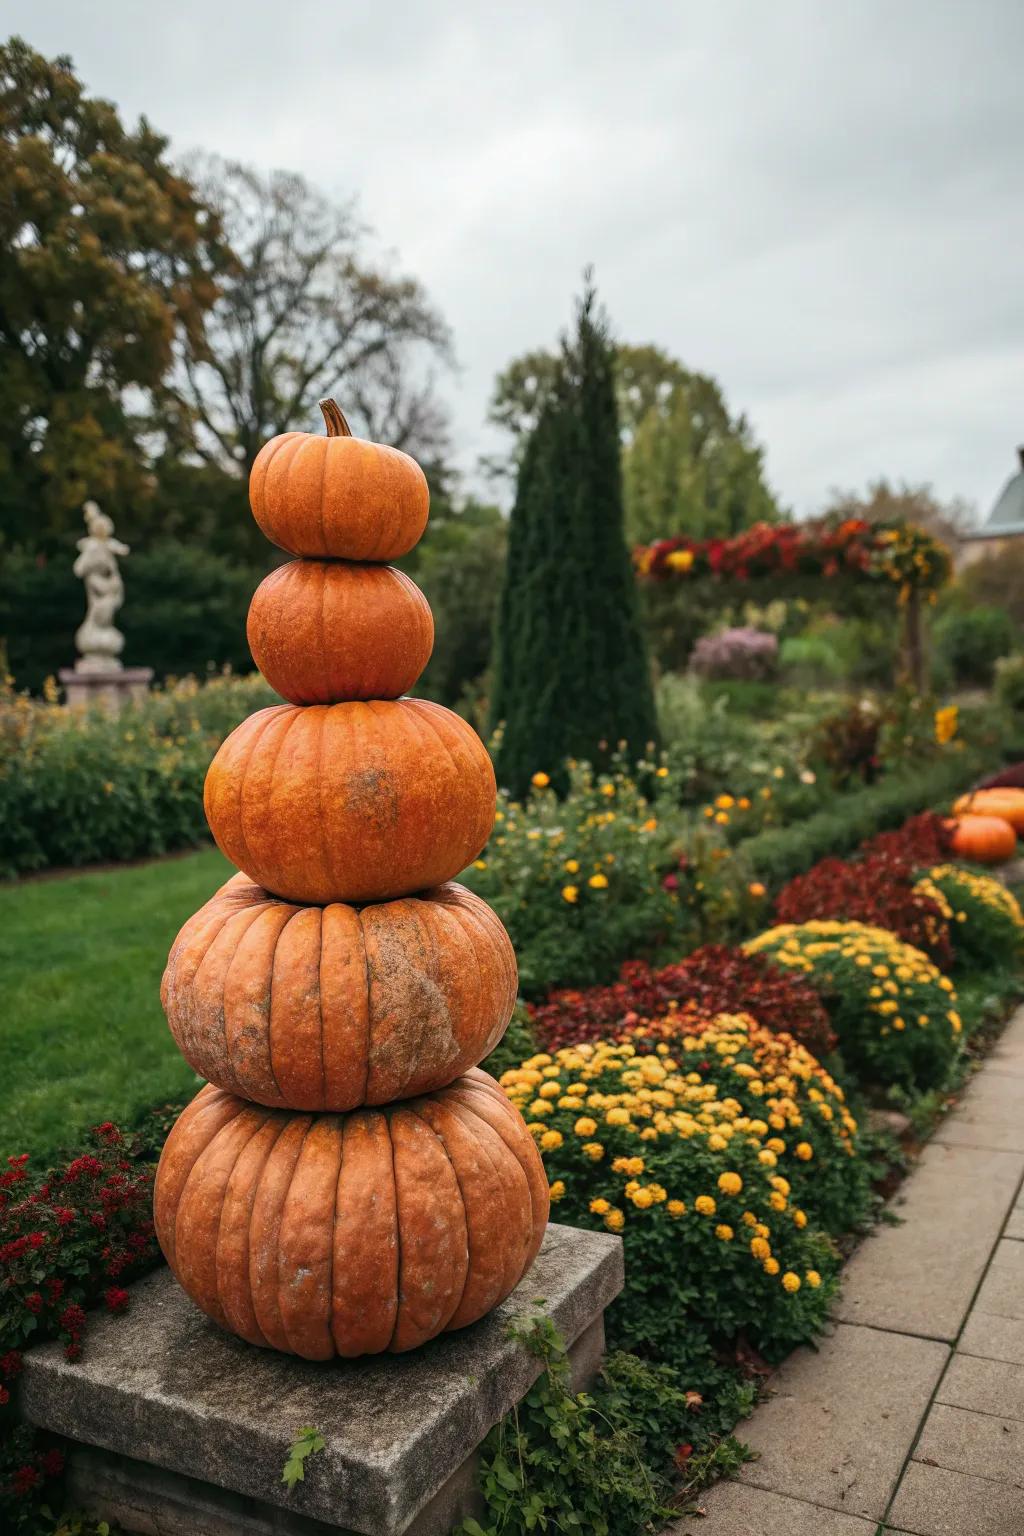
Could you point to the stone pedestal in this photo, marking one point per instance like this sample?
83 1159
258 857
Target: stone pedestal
111 689
183 1430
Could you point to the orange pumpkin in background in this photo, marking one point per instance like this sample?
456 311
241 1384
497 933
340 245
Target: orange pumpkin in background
324 631
325 1235
338 497
1005 803
983 839
329 1008
351 802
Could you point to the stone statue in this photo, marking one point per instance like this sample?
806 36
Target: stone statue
98 641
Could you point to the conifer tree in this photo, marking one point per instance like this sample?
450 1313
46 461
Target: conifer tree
571 676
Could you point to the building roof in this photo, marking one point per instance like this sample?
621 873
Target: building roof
1007 516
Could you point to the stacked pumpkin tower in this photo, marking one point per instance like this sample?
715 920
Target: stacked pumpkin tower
348 1181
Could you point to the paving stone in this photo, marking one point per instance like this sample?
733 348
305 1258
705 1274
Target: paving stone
981 1444
162 1385
980 1130
733 1509
841 1421
1015 1225
986 1386
933 1501
897 1278
1002 1290
993 1338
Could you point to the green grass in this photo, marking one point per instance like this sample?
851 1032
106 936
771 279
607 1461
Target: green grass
82 1033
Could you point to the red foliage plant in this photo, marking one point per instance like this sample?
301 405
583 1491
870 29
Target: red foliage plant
65 1237
922 841
878 890
713 980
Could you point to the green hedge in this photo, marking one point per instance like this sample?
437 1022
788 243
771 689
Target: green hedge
778 854
85 789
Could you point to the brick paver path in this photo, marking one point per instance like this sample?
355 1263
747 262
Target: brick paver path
910 1417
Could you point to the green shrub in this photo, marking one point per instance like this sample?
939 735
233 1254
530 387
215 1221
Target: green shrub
779 853
986 919
1009 682
811 659
81 788
971 640
893 1010
580 882
694 1178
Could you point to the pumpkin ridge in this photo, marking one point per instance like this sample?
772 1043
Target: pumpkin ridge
270 1007
369 1018
253 1185
276 1288
228 1055
412 1107
387 1111
223 1202
252 744
323 482
508 1174
208 1150
474 923
263 471
320 1007
296 717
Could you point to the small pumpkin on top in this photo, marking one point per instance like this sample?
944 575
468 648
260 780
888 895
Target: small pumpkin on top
1006 803
338 497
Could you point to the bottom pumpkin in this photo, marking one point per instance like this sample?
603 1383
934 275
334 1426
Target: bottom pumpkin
323 1235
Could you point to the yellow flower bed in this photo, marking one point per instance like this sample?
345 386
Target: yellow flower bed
718 1158
893 1010
986 919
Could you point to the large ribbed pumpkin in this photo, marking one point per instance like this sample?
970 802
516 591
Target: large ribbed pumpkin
351 802
1006 803
983 839
338 497
351 1234
321 631
329 1008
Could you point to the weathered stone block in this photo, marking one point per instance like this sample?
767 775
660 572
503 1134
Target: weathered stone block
166 1388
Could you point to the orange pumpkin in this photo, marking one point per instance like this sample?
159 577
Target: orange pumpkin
328 1008
983 839
338 497
323 631
351 802
325 1235
1005 803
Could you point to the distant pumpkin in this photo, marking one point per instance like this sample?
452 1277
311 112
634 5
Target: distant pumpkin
338 497
324 631
983 839
351 802
329 1008
325 1235
1006 803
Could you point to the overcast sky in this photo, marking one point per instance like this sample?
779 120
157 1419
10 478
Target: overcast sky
820 204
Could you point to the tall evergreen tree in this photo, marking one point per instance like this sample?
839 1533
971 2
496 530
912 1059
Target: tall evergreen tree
571 676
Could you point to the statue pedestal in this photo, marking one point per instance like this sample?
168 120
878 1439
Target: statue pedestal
111 690
182 1430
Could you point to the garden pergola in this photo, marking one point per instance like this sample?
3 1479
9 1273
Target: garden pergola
816 559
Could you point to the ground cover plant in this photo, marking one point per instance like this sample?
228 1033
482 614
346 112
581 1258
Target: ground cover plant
892 1009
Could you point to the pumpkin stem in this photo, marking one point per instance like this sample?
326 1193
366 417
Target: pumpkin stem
334 416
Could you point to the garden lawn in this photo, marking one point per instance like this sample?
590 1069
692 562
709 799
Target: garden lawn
82 1034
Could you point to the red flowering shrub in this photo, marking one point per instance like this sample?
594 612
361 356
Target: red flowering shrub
711 981
879 891
66 1237
922 841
